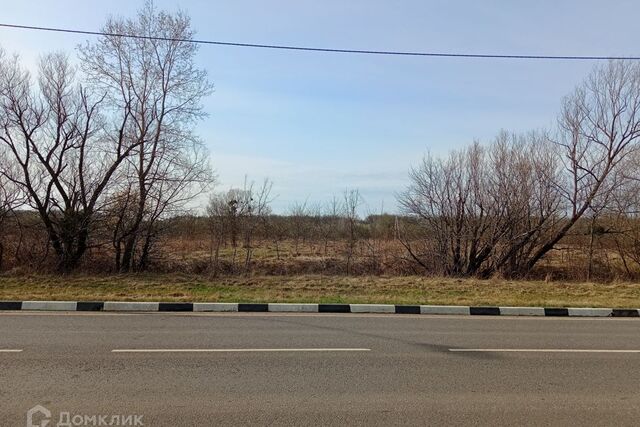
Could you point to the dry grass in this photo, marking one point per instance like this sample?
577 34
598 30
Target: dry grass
316 288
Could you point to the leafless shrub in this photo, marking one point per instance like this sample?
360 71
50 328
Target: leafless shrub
351 203
236 215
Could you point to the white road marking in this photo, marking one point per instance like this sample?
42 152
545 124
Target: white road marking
230 350
537 350
10 351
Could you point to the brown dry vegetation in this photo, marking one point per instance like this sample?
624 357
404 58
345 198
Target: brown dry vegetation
186 246
96 179
318 289
311 271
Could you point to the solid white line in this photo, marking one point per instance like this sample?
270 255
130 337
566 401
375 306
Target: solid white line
537 350
230 350
10 351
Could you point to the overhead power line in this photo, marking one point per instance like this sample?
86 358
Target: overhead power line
329 50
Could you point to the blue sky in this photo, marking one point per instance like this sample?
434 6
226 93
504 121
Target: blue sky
319 123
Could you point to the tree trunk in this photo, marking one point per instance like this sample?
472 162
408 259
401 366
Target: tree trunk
590 260
127 254
143 263
118 254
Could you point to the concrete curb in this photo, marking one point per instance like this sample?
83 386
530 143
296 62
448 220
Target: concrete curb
522 311
444 309
215 306
50 305
293 308
122 306
130 306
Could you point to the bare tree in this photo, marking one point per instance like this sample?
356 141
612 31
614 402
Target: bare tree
256 215
482 210
66 149
221 211
523 194
235 215
503 209
351 203
599 129
380 231
278 231
157 84
330 222
226 215
10 198
622 214
299 218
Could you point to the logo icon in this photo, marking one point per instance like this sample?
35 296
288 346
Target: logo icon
40 412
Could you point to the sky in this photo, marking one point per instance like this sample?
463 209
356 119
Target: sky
318 123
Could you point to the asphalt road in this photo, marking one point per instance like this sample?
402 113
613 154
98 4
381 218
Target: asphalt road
348 369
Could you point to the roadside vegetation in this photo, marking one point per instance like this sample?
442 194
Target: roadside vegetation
101 167
320 289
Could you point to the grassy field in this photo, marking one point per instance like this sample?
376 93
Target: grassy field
337 289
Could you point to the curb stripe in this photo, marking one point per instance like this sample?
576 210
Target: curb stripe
90 306
315 308
444 309
253 307
50 305
624 312
521 311
130 306
215 306
556 312
10 305
292 308
334 308
407 309
175 306
484 311
372 308
590 312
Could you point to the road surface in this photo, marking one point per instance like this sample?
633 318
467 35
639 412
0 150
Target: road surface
292 369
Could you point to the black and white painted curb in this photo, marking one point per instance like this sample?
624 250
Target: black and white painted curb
119 306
